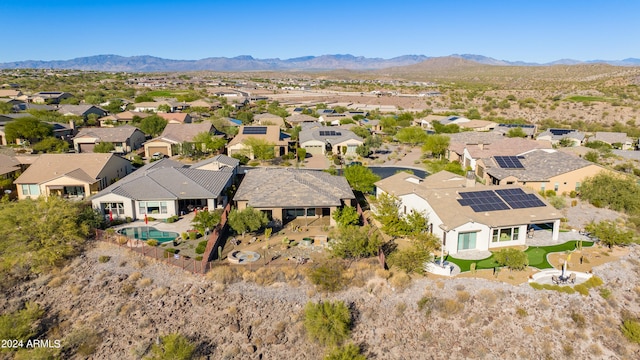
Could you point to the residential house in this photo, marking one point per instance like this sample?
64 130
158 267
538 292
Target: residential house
323 139
74 176
126 117
217 163
10 168
540 170
50 97
528 129
125 139
152 106
210 105
618 140
176 118
163 189
270 133
467 147
555 136
10 93
82 110
169 143
467 216
285 193
298 119
63 131
373 125
269 119
4 120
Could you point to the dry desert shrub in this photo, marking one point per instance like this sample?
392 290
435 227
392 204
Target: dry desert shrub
126 308
145 282
159 292
529 330
383 274
449 307
400 308
263 276
135 276
82 341
57 281
488 296
463 296
400 280
279 327
440 284
595 350
358 274
224 274
127 288
140 263
75 289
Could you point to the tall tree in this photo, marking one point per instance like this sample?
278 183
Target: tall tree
436 144
51 144
28 128
153 125
412 135
360 178
204 220
247 220
356 242
104 147
261 149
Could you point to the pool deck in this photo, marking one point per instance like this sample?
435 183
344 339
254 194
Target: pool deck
179 226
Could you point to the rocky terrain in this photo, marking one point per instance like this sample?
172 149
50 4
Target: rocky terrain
118 308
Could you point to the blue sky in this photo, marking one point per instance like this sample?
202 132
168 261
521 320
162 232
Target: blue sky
531 30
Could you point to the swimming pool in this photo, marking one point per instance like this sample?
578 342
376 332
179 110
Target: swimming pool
148 232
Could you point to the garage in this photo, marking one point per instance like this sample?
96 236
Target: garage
314 149
86 148
158 149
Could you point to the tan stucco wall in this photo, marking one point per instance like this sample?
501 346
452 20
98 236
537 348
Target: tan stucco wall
156 144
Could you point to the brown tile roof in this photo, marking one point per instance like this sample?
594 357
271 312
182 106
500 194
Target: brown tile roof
273 135
86 166
178 133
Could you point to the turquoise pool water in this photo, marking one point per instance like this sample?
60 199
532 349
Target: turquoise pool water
148 232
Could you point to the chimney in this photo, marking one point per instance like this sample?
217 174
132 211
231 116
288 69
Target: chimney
72 125
471 179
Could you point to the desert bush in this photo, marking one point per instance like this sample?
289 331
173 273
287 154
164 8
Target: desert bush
173 346
463 296
578 319
146 282
135 276
521 312
104 258
22 324
193 235
449 307
127 288
346 352
202 246
605 293
400 280
327 322
593 282
426 304
159 292
581 289
514 259
152 242
327 276
631 329
168 252
57 281
224 274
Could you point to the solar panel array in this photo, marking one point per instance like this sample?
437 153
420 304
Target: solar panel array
330 133
524 126
482 201
255 130
509 162
505 199
560 132
518 199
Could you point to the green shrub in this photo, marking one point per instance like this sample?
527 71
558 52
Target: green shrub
631 329
346 352
201 248
193 235
593 282
21 325
605 293
550 193
104 258
327 276
150 218
521 312
172 346
578 319
327 322
199 258
425 304
582 289
173 219
514 259
168 252
152 242
573 194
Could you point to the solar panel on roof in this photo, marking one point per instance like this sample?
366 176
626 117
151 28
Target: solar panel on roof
524 126
255 130
560 132
518 199
485 200
509 162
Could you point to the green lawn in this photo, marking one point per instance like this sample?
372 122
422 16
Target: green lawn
537 256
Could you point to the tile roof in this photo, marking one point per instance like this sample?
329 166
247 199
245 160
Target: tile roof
442 194
223 159
51 166
539 165
300 118
308 134
180 117
273 187
115 134
77 109
178 133
500 147
273 135
8 164
611 137
167 179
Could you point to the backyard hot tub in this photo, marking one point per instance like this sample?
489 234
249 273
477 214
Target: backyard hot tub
148 232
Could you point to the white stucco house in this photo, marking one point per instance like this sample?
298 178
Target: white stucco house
467 216
166 188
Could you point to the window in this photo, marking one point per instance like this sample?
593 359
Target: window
577 185
505 234
152 207
542 186
467 241
31 190
114 208
556 186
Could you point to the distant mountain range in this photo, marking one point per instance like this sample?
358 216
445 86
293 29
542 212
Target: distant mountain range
115 63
